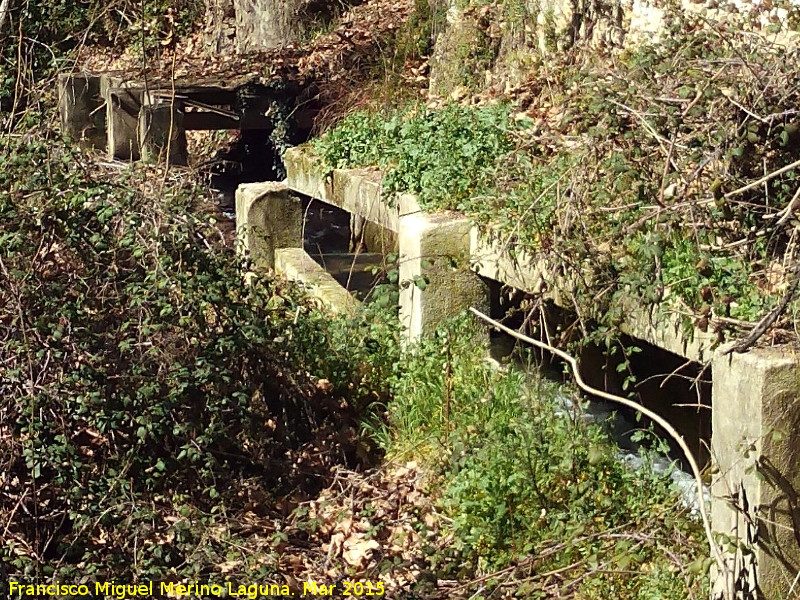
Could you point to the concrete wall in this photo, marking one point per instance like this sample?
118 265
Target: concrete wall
80 106
268 218
756 451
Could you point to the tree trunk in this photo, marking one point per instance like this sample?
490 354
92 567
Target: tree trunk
4 10
262 24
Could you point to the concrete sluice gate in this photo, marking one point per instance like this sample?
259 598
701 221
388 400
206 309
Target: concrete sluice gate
753 398
148 120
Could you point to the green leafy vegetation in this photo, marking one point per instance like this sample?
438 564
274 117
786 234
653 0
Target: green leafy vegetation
444 156
526 487
148 396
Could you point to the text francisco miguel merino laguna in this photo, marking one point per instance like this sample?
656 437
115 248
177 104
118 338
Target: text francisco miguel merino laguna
249 591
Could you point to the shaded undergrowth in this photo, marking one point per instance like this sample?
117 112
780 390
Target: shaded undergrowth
538 502
149 399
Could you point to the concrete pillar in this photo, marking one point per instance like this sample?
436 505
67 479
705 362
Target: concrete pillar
267 218
80 106
122 110
161 130
435 277
756 488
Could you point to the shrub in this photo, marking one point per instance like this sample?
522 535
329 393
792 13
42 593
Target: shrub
526 484
445 156
145 391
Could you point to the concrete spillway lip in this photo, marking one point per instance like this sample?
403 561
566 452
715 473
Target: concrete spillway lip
295 264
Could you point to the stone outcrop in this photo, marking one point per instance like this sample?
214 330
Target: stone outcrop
493 45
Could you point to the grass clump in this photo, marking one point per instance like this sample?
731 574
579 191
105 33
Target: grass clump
528 486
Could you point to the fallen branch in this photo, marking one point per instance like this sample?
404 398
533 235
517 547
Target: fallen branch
764 179
786 213
573 363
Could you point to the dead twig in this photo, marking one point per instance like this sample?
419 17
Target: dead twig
764 179
767 321
786 213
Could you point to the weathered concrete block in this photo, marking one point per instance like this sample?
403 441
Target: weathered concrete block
379 239
80 105
304 174
534 274
407 204
296 265
756 449
359 191
668 332
435 276
122 109
268 218
162 134
493 260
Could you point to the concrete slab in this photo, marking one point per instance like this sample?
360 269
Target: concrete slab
296 265
304 174
162 134
357 273
268 218
664 329
358 191
654 325
436 282
80 107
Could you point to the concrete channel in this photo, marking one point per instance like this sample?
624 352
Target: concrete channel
755 398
